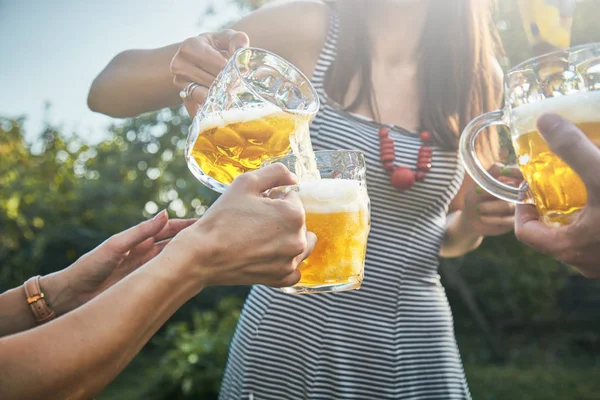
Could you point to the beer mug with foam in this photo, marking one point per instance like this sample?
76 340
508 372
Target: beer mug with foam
567 83
337 211
260 106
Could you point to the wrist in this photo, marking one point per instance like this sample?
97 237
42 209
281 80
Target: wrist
192 252
177 270
187 257
58 292
460 237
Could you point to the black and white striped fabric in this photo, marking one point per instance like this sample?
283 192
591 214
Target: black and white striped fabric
392 339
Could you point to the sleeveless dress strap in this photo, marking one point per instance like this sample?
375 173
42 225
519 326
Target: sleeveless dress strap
328 53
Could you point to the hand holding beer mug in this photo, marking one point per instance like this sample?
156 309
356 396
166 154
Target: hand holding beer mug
566 83
338 213
259 107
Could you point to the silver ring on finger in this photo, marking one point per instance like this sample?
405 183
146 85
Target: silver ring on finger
186 94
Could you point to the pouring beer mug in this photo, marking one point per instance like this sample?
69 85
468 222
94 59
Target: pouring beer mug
567 83
337 211
258 107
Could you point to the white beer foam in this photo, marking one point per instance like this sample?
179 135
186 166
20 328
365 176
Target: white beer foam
578 108
249 113
328 196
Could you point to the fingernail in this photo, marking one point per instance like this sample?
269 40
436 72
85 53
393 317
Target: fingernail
160 215
478 190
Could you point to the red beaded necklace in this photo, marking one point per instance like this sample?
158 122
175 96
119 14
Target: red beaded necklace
403 178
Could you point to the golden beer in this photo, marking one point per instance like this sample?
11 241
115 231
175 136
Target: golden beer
557 190
337 211
238 141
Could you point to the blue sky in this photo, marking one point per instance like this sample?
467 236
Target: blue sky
51 50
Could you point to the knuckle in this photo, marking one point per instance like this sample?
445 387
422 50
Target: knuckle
245 180
293 215
287 269
297 245
279 169
188 44
296 217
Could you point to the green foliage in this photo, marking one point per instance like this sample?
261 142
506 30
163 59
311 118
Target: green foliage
512 281
193 356
60 197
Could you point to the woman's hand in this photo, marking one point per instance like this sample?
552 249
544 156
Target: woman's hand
117 257
200 59
485 214
246 238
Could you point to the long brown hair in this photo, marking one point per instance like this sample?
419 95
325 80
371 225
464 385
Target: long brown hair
455 71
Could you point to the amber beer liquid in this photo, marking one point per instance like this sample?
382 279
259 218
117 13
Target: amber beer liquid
238 141
337 211
557 190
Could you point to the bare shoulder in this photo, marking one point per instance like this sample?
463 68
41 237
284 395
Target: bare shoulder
294 29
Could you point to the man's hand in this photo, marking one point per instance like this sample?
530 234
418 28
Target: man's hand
578 243
246 238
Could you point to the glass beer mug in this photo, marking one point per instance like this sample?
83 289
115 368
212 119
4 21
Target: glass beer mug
567 83
337 210
259 107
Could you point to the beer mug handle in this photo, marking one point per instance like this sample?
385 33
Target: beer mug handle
473 165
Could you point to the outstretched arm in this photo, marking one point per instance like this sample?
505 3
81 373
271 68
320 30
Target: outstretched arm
76 355
93 273
138 81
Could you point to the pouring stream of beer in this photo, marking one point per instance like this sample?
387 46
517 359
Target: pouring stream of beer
306 162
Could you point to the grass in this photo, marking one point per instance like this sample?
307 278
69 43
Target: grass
540 382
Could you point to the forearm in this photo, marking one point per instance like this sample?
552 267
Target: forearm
134 82
77 355
459 238
15 313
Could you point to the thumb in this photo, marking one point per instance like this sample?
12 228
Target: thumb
529 230
266 178
570 143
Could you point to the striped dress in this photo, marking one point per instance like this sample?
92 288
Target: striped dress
392 339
